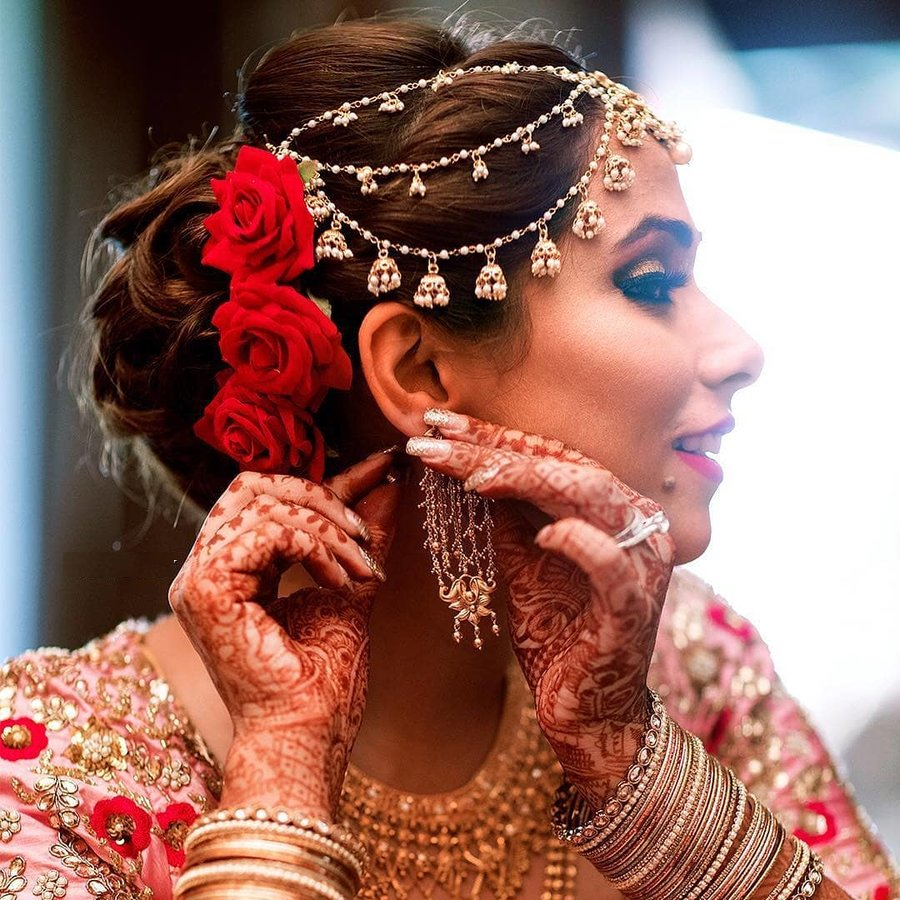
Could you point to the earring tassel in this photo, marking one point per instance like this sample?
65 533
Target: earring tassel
384 275
588 219
545 258
417 187
491 282
619 173
331 244
479 168
432 290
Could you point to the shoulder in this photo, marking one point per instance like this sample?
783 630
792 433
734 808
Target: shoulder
99 768
706 654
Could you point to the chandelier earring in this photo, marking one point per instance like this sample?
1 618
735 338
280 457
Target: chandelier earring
459 537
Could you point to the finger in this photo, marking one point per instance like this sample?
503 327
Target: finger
378 509
556 487
351 484
488 434
251 563
320 498
345 549
592 550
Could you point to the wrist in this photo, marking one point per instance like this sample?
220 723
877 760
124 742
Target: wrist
276 770
599 762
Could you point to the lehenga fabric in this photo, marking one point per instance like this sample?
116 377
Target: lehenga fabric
101 771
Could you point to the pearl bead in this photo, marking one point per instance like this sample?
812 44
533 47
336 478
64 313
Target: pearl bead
680 153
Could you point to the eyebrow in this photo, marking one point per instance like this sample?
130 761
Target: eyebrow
678 228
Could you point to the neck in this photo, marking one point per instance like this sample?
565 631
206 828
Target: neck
433 705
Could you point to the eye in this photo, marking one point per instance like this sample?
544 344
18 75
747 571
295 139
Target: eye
650 283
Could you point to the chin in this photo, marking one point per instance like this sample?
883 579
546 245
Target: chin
691 538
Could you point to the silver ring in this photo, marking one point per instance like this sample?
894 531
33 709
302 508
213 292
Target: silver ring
641 528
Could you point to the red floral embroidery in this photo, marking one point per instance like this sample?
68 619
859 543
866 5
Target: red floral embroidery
123 823
174 821
21 738
727 618
263 225
827 819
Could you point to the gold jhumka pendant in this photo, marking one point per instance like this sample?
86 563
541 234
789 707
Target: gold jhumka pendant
469 596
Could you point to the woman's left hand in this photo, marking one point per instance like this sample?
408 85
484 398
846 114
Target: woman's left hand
583 612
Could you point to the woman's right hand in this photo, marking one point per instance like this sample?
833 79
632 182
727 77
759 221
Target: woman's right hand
292 671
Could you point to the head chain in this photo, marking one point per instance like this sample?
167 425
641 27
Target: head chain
626 115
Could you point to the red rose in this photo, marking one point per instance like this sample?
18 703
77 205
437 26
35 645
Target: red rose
21 738
174 821
263 225
280 342
263 433
123 823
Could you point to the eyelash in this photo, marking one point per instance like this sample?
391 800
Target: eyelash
645 289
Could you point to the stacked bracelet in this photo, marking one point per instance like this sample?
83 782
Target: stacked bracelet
681 825
273 853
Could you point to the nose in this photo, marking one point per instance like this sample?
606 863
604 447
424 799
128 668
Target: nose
730 358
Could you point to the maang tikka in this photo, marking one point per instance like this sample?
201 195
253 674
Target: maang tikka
459 527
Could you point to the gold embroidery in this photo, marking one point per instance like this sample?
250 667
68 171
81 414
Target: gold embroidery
54 712
175 775
97 749
102 880
10 824
15 737
50 886
13 880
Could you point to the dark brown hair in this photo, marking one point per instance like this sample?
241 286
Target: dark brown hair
145 368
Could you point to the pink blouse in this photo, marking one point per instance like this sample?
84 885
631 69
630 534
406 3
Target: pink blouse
101 772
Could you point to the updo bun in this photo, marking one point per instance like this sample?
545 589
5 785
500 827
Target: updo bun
150 354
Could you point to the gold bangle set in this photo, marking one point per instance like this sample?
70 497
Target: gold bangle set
269 854
682 825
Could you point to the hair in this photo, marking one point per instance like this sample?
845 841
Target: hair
149 353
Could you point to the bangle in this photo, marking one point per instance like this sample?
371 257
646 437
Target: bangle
812 878
283 853
282 816
234 875
681 827
279 834
793 875
573 821
711 825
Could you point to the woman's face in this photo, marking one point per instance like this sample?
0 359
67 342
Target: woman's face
628 358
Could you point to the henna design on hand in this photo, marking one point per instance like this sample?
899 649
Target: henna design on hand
292 671
583 612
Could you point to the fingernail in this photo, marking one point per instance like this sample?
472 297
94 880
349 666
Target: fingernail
431 447
361 527
373 564
443 418
480 477
387 451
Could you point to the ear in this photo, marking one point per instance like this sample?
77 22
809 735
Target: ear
406 366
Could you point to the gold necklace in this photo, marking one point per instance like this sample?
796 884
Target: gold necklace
478 838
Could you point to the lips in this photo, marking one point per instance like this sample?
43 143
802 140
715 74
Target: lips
694 448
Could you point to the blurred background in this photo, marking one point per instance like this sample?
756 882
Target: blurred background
793 111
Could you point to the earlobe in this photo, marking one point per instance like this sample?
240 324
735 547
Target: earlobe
400 362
